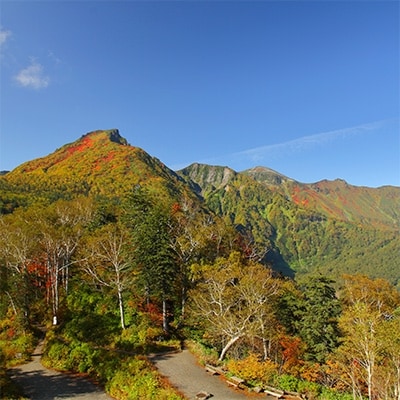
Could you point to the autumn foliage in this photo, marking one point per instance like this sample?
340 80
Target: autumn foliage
116 254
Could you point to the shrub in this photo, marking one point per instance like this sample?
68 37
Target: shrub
287 382
329 394
204 354
81 358
16 342
124 376
253 370
56 355
136 380
310 389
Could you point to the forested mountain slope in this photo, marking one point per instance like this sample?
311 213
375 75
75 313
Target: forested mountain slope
100 163
379 207
328 226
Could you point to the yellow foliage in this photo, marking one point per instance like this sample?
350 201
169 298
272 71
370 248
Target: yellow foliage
252 369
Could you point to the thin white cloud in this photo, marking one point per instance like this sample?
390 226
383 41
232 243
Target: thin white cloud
33 76
4 35
265 154
306 142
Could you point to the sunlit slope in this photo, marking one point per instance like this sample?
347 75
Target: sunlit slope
99 163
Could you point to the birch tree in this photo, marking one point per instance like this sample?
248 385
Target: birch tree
235 300
108 260
60 229
17 249
369 306
360 350
389 371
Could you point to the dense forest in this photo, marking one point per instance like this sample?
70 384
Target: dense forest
115 268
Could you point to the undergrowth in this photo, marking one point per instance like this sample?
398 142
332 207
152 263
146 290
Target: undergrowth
123 374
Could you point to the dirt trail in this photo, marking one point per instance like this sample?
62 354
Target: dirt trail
40 383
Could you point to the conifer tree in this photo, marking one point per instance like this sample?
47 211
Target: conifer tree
317 313
150 223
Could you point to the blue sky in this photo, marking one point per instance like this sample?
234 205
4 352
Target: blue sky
310 89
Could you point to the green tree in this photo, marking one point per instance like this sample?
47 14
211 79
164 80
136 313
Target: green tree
150 222
317 318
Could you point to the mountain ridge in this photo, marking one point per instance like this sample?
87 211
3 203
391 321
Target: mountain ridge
328 226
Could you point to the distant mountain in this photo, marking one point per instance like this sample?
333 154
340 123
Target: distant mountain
378 207
329 227
268 176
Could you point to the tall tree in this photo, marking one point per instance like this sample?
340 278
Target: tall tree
108 259
369 306
149 219
60 228
17 249
196 237
360 351
388 382
317 318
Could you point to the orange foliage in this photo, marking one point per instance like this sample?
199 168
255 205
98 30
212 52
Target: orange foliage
176 208
85 143
153 312
338 375
291 353
38 274
312 372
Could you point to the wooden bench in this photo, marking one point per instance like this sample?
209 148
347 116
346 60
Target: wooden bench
214 370
293 395
274 392
231 380
235 381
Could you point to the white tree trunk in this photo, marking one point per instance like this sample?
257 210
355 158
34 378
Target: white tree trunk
121 308
165 317
230 343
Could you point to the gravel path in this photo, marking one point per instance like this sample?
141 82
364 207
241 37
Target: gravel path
183 372
40 383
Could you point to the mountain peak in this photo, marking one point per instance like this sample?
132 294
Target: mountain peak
267 175
110 134
93 148
99 162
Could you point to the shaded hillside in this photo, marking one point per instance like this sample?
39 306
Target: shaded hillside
330 227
